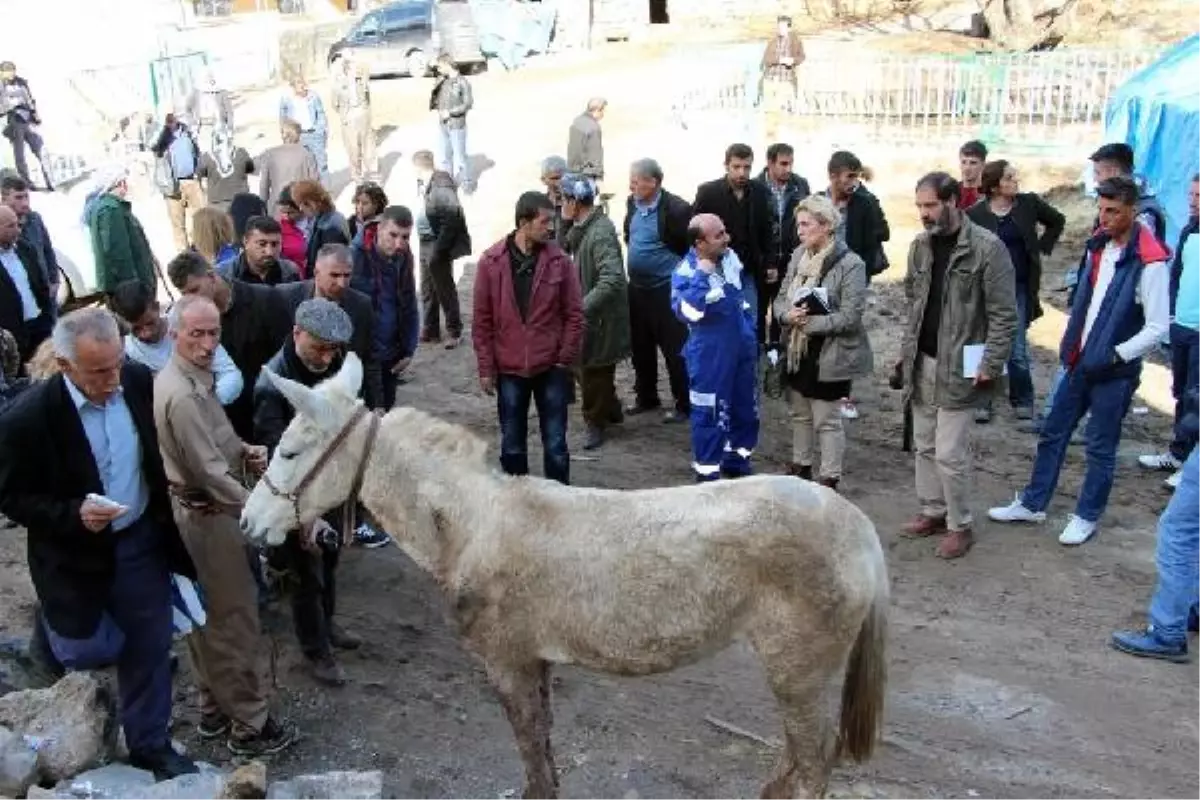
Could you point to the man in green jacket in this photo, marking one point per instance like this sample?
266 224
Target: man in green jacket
119 244
593 243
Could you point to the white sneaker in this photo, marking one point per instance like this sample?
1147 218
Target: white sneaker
1015 512
1164 462
1077 531
1172 482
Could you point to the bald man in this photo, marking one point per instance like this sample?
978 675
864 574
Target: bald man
25 301
707 294
208 467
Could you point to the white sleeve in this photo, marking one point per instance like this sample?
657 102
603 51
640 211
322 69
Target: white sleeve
229 381
1156 306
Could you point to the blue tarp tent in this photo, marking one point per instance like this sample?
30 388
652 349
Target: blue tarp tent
1157 112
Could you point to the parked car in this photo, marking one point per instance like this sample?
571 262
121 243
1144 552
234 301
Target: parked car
405 37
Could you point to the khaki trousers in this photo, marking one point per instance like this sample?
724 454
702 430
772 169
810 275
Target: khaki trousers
227 652
359 140
817 422
181 208
943 452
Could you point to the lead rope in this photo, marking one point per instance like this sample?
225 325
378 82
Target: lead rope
350 508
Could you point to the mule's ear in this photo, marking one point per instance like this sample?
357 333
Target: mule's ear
306 402
350 376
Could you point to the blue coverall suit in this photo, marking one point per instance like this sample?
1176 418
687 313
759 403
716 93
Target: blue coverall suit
721 355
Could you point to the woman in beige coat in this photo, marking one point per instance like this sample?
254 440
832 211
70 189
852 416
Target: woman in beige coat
820 306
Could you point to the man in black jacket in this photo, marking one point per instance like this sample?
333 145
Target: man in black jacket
745 208
312 353
101 567
656 237
254 322
785 189
25 301
442 230
331 279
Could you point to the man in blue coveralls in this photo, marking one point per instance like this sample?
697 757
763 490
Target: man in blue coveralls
721 354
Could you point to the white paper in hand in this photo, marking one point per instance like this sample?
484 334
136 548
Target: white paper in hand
972 356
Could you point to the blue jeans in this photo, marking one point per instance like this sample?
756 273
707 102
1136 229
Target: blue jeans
134 631
551 393
316 144
1108 401
454 154
1176 556
1020 380
1185 371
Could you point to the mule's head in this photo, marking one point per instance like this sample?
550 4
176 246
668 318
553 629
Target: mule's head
311 471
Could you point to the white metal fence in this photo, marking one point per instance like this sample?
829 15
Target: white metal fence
1039 101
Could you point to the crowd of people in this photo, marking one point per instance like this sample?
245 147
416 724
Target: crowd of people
130 442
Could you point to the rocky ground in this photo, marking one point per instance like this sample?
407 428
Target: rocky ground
1002 682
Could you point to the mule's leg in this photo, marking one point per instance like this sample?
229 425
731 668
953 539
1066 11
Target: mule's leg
801 675
524 693
545 685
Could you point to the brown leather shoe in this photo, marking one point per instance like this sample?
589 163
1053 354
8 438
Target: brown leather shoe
924 526
955 544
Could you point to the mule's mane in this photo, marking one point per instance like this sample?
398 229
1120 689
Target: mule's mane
428 434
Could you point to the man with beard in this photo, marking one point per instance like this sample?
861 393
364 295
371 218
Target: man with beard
786 189
962 316
259 261
314 351
527 331
383 271
254 320
744 208
25 301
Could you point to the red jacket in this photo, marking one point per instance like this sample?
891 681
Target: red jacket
294 246
552 332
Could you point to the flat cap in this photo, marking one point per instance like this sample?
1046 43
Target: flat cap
325 320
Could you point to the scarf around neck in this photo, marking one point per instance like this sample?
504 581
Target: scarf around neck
807 275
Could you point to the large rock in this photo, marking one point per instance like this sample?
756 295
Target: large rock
66 724
248 782
343 785
203 785
111 780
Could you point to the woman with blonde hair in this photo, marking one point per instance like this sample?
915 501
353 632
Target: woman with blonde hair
820 307
328 224
213 237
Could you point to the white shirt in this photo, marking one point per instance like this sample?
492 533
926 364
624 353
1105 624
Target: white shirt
302 112
20 278
1152 293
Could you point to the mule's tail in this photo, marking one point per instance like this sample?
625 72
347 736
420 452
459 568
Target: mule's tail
866 684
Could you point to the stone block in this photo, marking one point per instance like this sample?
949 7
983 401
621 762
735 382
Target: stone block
345 785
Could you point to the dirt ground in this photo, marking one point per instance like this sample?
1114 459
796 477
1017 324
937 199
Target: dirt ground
1002 681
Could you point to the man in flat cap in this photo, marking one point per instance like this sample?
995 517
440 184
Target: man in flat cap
314 352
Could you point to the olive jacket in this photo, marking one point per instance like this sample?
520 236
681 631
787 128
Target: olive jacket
978 306
596 249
